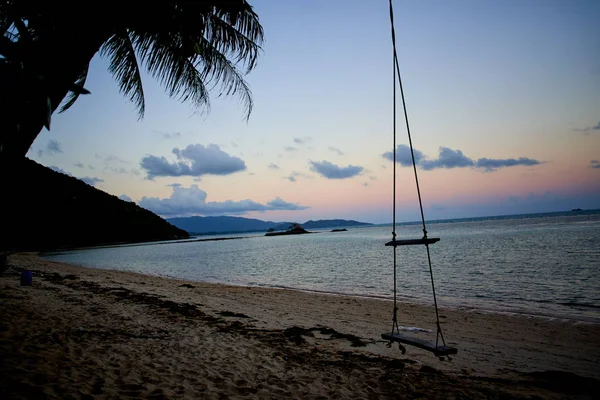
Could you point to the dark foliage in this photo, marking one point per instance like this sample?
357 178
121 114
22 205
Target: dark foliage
44 210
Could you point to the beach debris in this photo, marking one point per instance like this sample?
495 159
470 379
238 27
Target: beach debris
187 285
232 314
183 309
295 333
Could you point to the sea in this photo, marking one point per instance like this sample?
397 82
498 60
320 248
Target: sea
535 264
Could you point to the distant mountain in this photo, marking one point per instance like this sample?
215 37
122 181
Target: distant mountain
43 209
204 225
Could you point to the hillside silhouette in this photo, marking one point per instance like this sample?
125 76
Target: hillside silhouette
42 209
229 224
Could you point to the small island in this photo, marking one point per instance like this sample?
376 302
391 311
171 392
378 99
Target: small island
294 229
340 230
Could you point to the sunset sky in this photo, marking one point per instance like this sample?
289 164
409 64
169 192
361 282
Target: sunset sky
503 99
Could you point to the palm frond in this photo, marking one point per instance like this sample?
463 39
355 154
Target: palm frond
73 96
236 31
124 67
220 71
242 44
166 61
200 44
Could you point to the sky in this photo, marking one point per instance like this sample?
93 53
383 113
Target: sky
503 100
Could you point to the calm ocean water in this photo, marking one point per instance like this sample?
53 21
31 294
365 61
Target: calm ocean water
548 264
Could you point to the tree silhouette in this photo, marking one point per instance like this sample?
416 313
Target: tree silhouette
191 47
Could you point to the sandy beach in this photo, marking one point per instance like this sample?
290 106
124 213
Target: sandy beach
83 333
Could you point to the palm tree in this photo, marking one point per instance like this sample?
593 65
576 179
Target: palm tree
191 47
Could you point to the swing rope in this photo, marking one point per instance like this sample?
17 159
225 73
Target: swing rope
396 68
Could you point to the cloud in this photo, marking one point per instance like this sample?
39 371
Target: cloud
292 177
53 147
112 159
403 156
490 164
588 129
119 170
278 204
167 135
79 165
304 140
335 150
62 171
290 149
125 198
192 201
332 171
194 160
273 166
92 181
594 164
449 159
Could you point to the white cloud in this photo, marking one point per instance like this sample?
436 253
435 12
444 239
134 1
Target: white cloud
91 180
332 171
335 150
192 201
449 158
62 171
194 160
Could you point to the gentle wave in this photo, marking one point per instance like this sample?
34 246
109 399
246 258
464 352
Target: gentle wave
525 265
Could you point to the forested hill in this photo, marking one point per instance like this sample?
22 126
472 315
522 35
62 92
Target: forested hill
42 209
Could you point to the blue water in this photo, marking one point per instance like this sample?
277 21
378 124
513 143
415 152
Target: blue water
545 264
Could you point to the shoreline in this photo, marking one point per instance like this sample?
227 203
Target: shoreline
114 317
446 304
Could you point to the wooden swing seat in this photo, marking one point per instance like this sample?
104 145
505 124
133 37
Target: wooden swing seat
409 242
439 351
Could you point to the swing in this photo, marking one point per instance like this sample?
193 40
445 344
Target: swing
440 350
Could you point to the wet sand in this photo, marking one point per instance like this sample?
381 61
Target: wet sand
86 333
